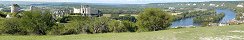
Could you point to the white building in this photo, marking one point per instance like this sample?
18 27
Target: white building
171 8
212 5
85 10
15 8
239 5
194 4
60 12
188 4
217 6
76 10
223 4
203 4
1 9
34 8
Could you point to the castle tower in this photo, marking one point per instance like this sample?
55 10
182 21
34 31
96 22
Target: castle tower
14 8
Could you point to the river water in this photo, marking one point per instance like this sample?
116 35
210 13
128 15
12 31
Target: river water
187 22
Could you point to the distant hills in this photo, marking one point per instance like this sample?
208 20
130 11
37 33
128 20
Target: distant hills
108 5
58 3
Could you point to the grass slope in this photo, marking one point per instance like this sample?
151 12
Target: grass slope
234 32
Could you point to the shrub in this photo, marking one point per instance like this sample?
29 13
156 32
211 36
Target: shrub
99 25
1 26
76 26
57 30
153 19
30 22
116 26
130 26
72 28
12 26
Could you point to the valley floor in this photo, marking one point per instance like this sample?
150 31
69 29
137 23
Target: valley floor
233 32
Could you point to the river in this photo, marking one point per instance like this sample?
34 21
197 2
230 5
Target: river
187 22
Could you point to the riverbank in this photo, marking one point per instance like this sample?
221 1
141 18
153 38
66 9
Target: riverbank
188 22
232 32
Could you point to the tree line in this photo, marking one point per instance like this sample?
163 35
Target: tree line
151 19
205 20
193 14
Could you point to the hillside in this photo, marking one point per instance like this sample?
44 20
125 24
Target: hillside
233 32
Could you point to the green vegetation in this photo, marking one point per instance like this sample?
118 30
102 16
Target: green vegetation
239 14
127 18
153 19
39 23
194 14
2 14
205 20
116 26
29 23
233 32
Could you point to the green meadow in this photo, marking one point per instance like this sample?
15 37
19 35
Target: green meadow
233 32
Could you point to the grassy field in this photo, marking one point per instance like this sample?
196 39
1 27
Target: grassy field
234 32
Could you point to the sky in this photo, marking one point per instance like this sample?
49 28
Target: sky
121 1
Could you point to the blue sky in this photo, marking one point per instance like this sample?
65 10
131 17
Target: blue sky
120 1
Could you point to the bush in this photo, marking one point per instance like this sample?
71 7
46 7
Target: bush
153 19
99 25
30 22
130 26
117 26
12 26
57 30
1 26
73 28
43 23
84 25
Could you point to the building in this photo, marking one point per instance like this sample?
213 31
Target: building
171 8
240 5
76 10
176 13
217 6
203 4
33 8
223 4
1 9
188 4
15 8
212 5
60 12
194 4
86 10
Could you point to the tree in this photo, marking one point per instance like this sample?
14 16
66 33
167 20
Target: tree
29 22
116 26
153 19
130 26
12 26
99 25
40 22
2 14
207 19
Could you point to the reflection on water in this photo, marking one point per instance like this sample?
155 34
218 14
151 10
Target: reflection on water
229 15
184 22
